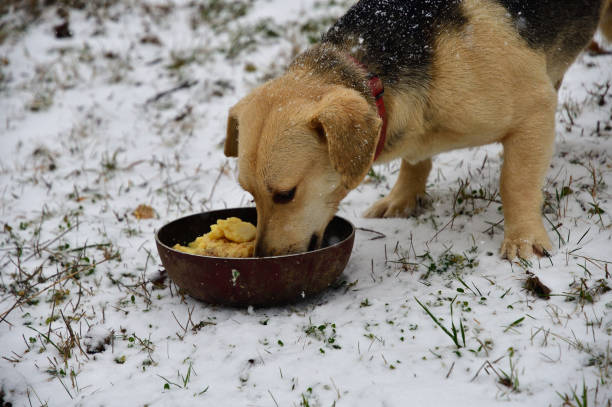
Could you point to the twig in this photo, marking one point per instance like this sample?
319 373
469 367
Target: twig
440 231
30 298
184 85
45 245
212 190
379 235
273 399
73 337
450 370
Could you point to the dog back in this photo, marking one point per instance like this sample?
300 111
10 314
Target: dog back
396 38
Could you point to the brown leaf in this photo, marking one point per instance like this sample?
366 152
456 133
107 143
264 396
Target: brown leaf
535 286
143 212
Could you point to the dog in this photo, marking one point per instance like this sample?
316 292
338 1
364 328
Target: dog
456 74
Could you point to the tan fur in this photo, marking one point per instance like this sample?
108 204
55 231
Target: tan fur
488 87
231 139
407 193
296 133
345 116
559 59
605 24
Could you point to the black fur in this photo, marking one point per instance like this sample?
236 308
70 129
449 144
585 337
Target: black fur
544 23
395 38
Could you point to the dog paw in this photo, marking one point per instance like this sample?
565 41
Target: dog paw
389 207
526 246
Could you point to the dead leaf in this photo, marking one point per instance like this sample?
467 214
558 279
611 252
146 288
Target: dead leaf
144 212
535 286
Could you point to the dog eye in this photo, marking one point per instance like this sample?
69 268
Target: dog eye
284 197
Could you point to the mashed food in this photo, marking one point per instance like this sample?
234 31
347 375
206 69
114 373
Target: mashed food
230 237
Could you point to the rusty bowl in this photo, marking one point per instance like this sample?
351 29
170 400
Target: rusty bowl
257 281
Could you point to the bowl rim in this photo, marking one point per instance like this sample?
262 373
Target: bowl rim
290 255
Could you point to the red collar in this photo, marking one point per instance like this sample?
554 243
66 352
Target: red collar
376 87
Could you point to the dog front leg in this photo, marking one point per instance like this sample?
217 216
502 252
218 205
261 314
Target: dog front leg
527 155
407 194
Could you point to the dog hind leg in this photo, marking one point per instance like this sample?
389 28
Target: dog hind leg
407 193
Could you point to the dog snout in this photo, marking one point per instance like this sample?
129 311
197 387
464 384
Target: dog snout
263 249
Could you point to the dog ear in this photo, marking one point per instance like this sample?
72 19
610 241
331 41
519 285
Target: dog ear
351 127
231 139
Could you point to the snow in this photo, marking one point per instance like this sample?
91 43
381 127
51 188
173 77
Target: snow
72 172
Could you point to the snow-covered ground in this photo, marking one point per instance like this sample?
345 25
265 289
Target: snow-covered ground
88 133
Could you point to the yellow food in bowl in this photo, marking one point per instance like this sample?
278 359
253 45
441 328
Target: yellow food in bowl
230 237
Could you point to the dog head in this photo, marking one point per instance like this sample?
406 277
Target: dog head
301 147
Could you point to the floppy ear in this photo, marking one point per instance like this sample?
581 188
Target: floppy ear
351 127
231 139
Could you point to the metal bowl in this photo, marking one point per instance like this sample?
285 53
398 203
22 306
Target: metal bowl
257 281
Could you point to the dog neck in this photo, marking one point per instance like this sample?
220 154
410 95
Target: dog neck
405 101
378 90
